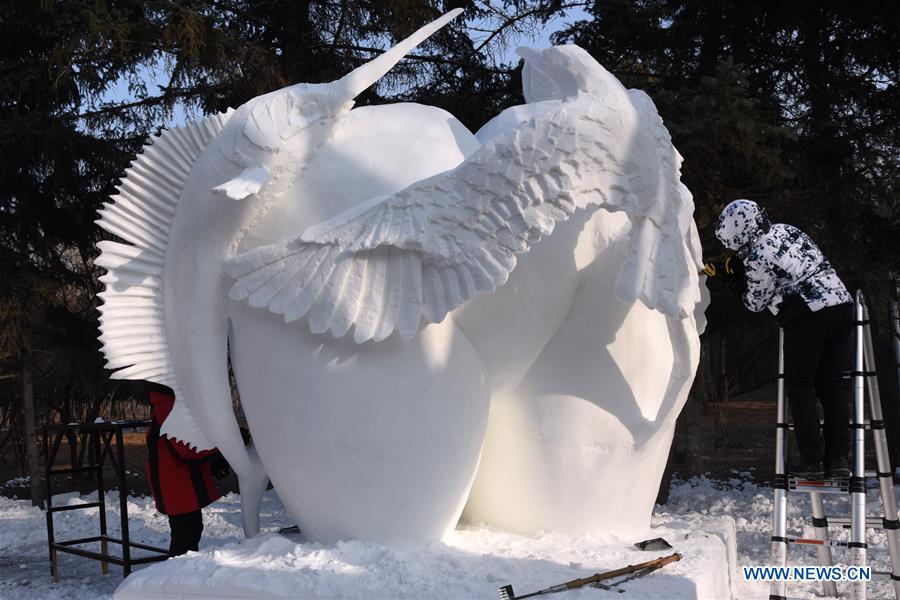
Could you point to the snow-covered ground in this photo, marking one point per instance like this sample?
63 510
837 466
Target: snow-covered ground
473 562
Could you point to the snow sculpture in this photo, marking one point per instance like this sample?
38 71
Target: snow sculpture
295 216
584 405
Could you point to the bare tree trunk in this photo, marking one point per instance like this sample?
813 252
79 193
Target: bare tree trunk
7 427
31 438
65 414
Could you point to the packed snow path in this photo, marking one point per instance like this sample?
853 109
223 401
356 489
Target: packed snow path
473 559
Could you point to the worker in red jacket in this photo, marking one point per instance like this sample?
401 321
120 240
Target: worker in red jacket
180 478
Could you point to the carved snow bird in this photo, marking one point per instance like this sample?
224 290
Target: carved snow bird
217 250
184 205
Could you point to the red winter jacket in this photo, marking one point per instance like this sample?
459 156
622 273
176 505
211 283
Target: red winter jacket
179 477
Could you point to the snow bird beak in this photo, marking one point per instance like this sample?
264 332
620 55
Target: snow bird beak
301 103
354 83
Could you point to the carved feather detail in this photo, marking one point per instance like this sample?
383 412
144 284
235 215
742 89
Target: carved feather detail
396 262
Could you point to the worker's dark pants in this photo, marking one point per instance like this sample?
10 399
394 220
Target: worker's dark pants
817 355
186 532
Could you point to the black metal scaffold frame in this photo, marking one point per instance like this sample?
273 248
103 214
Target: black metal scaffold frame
106 439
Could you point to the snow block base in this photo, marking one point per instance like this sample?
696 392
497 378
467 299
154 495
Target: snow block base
470 563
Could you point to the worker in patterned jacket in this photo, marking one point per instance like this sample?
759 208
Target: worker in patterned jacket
784 271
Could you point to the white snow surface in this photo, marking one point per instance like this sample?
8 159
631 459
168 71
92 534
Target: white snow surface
472 562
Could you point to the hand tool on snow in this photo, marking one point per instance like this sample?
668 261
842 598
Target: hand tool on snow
633 576
506 592
614 587
654 544
289 530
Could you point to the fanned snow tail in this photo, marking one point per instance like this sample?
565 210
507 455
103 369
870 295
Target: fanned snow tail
132 316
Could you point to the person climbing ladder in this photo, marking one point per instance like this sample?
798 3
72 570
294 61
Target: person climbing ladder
782 269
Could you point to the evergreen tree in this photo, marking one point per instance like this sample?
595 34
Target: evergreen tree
68 132
792 104
55 170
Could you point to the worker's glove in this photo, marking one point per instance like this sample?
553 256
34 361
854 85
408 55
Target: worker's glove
219 467
730 272
732 267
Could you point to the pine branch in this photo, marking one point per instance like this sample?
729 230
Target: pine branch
166 96
519 17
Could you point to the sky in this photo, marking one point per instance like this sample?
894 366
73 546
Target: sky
157 76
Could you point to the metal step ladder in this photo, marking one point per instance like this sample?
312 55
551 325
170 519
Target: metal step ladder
895 324
864 378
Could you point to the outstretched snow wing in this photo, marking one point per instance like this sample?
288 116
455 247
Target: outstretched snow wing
393 262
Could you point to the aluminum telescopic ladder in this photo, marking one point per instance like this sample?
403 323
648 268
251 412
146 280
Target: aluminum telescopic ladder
864 378
895 325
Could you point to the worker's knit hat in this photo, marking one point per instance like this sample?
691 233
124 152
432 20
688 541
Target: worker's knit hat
741 222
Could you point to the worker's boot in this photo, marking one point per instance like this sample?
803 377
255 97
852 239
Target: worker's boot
808 470
838 469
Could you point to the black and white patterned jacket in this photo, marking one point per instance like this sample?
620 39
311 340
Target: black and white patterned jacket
779 261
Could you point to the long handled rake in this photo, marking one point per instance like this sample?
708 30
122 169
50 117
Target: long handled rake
506 592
